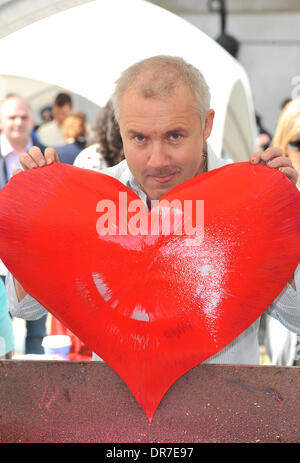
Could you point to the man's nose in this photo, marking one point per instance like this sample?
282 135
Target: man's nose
158 156
18 120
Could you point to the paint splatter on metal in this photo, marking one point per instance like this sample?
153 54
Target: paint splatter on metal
53 401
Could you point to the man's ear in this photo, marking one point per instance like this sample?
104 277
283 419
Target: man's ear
208 124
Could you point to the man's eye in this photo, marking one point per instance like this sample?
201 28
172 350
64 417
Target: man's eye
140 138
175 136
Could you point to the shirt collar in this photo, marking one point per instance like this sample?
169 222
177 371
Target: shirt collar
7 149
134 185
128 179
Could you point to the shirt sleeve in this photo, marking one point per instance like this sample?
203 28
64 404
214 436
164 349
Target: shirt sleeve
286 307
28 308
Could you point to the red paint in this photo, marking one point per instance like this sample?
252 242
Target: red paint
193 300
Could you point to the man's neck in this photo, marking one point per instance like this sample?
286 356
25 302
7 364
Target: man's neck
18 147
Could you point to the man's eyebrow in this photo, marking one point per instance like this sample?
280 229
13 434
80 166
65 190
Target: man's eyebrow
134 132
179 129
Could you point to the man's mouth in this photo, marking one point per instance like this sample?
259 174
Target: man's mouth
164 175
164 178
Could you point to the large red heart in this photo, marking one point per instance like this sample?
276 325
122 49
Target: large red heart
152 307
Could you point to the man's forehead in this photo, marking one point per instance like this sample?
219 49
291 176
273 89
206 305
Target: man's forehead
63 107
157 91
14 105
175 109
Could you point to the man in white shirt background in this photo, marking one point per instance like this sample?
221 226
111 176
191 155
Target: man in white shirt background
16 125
50 132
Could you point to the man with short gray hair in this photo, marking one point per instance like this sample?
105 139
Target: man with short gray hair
16 124
163 108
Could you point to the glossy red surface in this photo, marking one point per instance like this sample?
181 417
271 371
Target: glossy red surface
152 307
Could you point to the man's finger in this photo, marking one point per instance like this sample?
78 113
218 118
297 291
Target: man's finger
27 162
271 153
37 156
34 158
279 162
255 158
262 157
290 173
51 156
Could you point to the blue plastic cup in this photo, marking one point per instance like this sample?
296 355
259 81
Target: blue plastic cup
57 344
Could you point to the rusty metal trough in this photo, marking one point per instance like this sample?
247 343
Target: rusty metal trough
64 401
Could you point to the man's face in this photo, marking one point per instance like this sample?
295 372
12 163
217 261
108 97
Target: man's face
162 139
61 112
16 121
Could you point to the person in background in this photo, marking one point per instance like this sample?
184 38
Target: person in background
263 139
287 133
280 343
46 114
106 147
284 103
50 133
16 124
6 326
74 132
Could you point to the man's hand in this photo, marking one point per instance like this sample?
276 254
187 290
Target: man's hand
273 157
35 158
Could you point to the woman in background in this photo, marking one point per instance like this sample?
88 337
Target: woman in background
287 134
74 132
106 147
281 344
